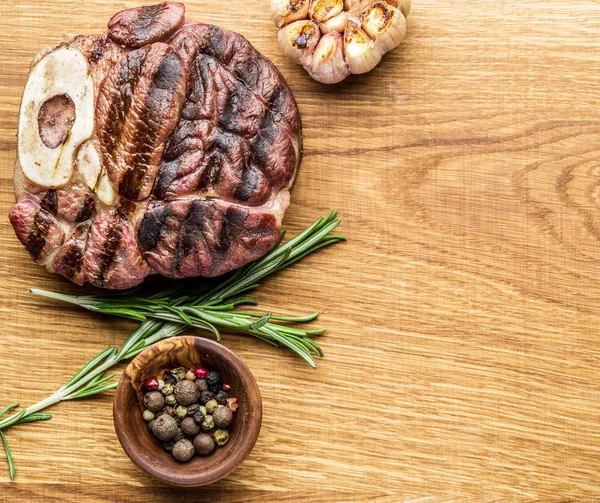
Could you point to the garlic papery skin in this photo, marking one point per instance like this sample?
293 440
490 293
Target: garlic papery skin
361 52
298 37
336 23
63 71
322 10
402 5
286 11
384 24
326 63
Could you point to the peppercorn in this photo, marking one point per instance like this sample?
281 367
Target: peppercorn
148 415
183 450
206 396
154 401
201 384
169 445
189 427
214 388
221 398
222 416
211 406
201 372
179 436
161 384
213 378
221 437
203 410
168 378
192 409
199 417
204 444
168 389
165 428
190 376
169 411
151 383
226 387
186 393
178 373
208 423
171 400
180 411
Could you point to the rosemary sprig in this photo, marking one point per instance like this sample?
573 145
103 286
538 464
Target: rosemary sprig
172 311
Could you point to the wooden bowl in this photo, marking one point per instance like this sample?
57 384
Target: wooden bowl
147 452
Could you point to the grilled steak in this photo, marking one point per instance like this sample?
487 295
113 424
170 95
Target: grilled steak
160 146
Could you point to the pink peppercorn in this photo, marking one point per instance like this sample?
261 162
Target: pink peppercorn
151 383
225 387
201 372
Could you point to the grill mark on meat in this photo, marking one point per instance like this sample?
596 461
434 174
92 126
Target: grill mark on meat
167 174
151 227
142 26
87 209
37 235
250 179
72 261
50 202
109 250
191 232
233 225
157 104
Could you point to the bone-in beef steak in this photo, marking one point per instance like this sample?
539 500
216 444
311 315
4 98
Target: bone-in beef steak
160 146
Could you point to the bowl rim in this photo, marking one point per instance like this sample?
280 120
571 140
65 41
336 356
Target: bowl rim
213 474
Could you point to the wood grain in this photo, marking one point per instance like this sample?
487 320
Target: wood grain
462 357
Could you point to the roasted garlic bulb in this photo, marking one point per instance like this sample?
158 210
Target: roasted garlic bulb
333 38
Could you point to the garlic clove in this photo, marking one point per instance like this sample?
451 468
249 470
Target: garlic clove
322 10
298 36
362 54
286 11
384 24
336 23
326 63
403 5
89 164
56 116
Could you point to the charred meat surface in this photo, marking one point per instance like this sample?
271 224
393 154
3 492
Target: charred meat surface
185 167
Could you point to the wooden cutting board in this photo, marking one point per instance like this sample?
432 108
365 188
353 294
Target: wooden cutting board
463 345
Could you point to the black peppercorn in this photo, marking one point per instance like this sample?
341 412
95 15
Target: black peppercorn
168 378
199 417
214 388
213 378
221 398
206 396
201 384
192 409
169 445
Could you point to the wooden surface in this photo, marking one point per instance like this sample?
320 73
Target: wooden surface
462 356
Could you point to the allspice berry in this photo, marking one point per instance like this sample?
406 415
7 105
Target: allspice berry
165 428
186 392
221 437
222 417
189 427
183 450
204 444
201 384
154 401
211 406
